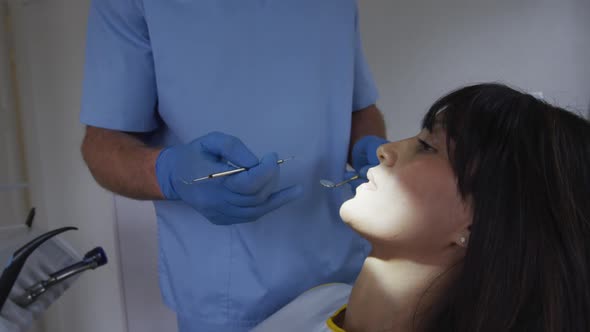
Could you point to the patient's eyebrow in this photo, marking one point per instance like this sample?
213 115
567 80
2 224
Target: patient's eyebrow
438 134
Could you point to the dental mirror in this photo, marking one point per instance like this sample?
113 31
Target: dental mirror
330 184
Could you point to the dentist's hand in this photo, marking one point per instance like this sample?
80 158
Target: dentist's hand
234 199
364 156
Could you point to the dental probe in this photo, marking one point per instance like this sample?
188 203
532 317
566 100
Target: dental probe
230 172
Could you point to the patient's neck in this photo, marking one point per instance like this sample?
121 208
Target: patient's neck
395 294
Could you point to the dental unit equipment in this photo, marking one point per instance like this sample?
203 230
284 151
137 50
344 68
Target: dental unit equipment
230 172
17 261
93 259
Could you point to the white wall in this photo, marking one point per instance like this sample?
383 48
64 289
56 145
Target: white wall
12 197
418 50
422 49
50 43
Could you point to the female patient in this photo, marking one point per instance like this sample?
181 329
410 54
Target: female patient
481 222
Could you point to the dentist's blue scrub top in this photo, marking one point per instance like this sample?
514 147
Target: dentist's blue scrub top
283 76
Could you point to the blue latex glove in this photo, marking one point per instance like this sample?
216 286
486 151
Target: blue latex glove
364 156
233 199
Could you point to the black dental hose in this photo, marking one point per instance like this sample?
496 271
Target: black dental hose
18 259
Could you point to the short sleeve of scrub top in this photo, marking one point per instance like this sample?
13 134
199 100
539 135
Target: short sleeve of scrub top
119 89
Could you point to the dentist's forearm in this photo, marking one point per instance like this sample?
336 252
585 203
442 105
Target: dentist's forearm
368 121
121 163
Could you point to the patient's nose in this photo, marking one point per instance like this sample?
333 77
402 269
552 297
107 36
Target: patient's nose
387 154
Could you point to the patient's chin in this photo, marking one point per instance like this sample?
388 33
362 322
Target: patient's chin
351 211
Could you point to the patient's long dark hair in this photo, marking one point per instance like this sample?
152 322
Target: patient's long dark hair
525 166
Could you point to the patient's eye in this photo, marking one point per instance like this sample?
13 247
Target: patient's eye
423 146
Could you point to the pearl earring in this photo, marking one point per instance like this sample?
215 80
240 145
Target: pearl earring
463 241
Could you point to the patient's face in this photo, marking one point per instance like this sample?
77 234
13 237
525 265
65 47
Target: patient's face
411 203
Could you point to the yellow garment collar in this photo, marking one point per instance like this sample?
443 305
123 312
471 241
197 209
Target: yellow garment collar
330 321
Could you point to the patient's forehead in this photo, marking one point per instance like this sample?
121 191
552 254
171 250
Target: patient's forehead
437 129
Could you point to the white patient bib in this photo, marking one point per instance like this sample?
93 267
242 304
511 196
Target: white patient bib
312 311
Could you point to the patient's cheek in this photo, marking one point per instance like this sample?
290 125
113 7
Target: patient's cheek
408 205
429 186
